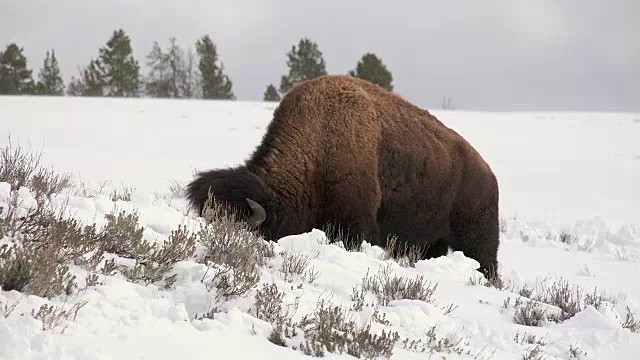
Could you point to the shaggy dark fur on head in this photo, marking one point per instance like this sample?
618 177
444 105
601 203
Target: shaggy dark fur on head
232 186
345 152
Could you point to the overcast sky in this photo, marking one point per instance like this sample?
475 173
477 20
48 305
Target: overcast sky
486 55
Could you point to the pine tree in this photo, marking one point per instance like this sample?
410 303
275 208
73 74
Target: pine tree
90 82
214 83
175 61
171 73
189 81
118 68
49 80
372 69
75 87
305 63
271 94
158 83
15 77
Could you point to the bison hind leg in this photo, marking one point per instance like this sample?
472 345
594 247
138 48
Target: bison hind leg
477 235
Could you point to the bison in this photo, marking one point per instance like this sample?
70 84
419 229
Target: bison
343 151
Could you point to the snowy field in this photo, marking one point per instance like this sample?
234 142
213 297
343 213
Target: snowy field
570 202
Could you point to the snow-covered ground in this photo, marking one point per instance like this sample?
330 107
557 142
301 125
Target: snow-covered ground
572 172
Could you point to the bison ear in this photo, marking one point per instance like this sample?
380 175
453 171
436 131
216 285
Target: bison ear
259 214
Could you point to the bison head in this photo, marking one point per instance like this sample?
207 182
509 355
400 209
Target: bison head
240 190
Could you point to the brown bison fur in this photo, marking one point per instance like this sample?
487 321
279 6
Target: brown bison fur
343 151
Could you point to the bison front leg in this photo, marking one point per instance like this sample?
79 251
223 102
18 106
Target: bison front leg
352 205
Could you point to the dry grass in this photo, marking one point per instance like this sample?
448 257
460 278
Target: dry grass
405 255
388 287
495 280
431 343
123 193
337 235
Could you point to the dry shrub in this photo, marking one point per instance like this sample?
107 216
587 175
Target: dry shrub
432 343
494 279
477 279
330 328
297 264
123 194
51 317
177 188
528 339
123 237
532 314
293 264
566 298
560 294
233 252
7 308
630 322
42 245
81 189
34 271
534 354
567 238
576 353
153 261
22 168
570 299
43 242
270 307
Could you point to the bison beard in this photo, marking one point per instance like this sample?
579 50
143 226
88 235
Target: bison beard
346 152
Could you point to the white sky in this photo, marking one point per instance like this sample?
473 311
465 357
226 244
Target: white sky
486 55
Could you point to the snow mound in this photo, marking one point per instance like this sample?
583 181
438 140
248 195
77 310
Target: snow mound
122 319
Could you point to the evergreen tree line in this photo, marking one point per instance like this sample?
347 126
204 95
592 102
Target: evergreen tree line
173 72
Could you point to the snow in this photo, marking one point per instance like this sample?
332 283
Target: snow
572 172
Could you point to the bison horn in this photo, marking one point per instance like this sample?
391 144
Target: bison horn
259 214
